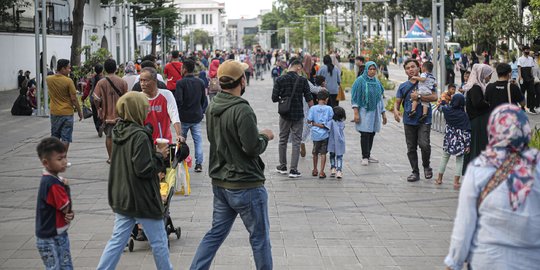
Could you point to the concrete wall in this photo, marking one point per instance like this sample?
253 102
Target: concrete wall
18 52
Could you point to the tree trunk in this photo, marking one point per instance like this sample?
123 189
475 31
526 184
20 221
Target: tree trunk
77 29
369 27
378 27
154 42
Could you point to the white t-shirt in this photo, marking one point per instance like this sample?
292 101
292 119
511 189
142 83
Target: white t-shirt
425 87
526 61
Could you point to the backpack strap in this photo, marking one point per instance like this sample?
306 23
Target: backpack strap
118 92
500 176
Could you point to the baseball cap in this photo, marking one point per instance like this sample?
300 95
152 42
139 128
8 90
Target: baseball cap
230 71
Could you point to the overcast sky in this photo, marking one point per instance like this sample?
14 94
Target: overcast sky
245 8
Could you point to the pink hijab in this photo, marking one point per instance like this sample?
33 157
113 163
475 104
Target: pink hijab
212 72
479 73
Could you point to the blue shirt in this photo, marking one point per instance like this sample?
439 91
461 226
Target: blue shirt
405 88
320 114
515 72
493 236
332 81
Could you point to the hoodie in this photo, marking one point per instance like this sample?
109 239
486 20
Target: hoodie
133 176
235 143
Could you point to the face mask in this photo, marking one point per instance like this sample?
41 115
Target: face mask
243 90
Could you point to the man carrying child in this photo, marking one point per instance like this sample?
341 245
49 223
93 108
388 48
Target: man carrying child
426 84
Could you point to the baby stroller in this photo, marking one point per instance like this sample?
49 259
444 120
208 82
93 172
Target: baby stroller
170 179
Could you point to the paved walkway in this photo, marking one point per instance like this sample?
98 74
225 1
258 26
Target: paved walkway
372 219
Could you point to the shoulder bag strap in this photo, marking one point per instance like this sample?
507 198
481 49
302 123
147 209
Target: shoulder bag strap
118 92
500 176
509 93
176 68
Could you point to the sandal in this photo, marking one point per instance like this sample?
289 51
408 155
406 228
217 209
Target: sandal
314 172
439 179
322 175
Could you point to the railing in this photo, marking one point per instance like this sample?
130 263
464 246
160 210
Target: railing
437 120
26 25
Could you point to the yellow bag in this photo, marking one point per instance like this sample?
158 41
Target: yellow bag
183 186
340 94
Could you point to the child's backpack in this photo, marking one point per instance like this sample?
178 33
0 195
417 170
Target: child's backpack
213 86
275 72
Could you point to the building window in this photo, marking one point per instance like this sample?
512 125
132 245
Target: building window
210 15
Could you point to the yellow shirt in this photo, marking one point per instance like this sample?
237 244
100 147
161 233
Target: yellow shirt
164 189
60 89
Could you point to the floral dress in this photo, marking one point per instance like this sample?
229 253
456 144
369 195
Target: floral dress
456 140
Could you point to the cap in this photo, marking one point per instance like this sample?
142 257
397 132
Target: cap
231 69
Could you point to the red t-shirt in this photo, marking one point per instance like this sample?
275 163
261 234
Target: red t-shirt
159 114
172 71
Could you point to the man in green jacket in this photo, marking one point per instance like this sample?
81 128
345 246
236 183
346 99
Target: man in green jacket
134 185
236 169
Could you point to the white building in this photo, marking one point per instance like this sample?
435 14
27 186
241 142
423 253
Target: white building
17 39
238 28
205 15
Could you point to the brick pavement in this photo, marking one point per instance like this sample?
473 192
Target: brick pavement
372 219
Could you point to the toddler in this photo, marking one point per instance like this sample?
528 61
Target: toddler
426 85
336 142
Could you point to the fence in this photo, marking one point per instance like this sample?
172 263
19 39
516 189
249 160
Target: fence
26 25
437 120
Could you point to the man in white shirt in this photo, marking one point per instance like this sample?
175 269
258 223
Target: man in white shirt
526 64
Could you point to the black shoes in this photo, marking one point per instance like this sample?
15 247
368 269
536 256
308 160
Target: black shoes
428 173
198 168
282 169
294 174
413 177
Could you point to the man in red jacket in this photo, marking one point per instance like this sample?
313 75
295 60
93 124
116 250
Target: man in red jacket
173 71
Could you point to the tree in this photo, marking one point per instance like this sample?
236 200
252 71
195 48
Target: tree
200 37
150 17
249 41
535 18
77 29
376 12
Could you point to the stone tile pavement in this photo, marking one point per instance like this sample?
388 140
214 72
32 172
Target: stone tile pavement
371 219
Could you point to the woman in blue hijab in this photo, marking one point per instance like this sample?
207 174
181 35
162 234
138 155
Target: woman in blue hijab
368 105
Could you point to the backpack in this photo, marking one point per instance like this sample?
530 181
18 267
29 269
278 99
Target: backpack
275 72
213 86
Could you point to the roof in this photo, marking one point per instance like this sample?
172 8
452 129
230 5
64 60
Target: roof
417 33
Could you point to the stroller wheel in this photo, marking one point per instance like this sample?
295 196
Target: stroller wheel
131 244
178 232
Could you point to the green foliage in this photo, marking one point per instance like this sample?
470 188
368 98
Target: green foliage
386 83
347 78
390 105
467 49
149 16
249 40
535 18
98 57
6 8
200 37
376 51
535 139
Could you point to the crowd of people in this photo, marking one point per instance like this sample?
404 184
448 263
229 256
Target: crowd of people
486 129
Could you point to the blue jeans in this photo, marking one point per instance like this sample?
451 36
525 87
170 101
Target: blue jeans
55 252
336 161
62 127
154 229
252 205
197 139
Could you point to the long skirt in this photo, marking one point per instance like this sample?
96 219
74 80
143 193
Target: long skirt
479 139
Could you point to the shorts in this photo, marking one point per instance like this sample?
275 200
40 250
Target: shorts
62 127
107 129
320 147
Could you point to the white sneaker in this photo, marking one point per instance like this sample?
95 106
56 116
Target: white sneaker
373 160
365 162
333 172
339 175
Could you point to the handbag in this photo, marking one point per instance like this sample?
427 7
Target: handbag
340 94
284 104
87 112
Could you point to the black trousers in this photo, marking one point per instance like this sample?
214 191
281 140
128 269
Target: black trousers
418 136
97 121
332 101
528 88
366 142
450 76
